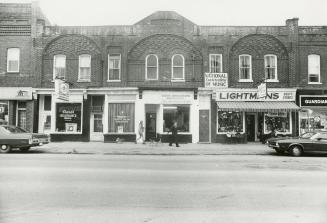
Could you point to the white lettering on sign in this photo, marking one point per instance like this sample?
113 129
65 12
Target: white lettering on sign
216 80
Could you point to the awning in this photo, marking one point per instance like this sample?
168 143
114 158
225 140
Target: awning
257 106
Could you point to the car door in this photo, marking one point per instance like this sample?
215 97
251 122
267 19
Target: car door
321 144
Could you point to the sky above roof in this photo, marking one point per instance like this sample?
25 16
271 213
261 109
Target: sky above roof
201 12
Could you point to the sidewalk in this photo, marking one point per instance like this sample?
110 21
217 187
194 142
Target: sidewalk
127 148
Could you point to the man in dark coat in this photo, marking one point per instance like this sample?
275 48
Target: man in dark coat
174 135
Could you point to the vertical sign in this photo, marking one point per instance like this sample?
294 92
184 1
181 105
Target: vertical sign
262 90
62 90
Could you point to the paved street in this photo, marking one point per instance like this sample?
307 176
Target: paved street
173 188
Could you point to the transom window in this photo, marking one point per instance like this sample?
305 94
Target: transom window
271 67
178 67
114 61
13 55
245 66
84 67
313 69
215 63
59 66
151 67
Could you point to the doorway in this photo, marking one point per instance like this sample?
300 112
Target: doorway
204 126
150 126
96 127
251 127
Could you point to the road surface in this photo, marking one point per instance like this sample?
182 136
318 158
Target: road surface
125 188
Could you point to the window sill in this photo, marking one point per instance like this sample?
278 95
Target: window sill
178 80
245 81
12 72
83 81
113 81
225 133
271 81
151 79
67 133
314 83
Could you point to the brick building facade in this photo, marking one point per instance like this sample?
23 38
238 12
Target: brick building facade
157 71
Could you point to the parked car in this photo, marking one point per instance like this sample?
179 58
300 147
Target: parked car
16 137
296 146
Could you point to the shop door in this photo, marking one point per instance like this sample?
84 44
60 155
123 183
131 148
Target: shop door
250 127
150 126
96 127
204 130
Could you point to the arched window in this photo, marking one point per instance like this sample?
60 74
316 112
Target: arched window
59 66
313 69
178 67
271 67
151 67
245 66
84 72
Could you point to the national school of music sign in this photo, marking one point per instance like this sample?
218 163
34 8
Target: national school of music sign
216 80
61 90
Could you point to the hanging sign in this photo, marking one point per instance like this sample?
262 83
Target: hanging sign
262 90
62 90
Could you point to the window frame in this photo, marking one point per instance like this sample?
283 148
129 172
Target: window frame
79 68
239 67
18 67
146 67
319 70
224 133
108 78
172 68
55 118
17 113
220 61
275 66
54 65
280 133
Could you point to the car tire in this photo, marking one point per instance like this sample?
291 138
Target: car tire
279 151
24 149
5 148
296 150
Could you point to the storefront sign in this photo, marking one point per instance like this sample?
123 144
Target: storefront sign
216 80
275 94
62 90
313 101
122 119
277 114
16 93
171 98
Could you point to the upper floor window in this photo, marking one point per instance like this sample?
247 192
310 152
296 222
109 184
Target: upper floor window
151 67
114 61
215 63
245 65
271 67
13 60
313 69
84 68
59 66
178 67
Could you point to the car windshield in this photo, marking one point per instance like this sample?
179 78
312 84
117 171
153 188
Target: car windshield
307 135
14 129
315 136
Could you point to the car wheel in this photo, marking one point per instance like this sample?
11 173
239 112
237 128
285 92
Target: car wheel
24 149
5 148
296 150
279 151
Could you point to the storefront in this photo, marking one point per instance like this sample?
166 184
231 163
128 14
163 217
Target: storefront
160 109
241 116
313 113
16 103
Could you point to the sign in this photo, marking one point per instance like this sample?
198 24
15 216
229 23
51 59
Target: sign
277 114
216 80
174 98
249 94
313 101
68 117
16 93
262 90
62 90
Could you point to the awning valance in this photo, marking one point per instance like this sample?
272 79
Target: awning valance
259 106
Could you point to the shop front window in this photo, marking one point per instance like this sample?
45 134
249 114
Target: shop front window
69 117
21 114
311 121
4 112
121 117
176 113
278 122
230 121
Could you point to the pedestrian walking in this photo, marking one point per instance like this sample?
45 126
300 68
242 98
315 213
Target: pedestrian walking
141 133
174 135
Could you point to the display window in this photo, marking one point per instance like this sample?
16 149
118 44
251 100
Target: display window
178 113
69 117
4 117
311 121
230 121
121 117
278 122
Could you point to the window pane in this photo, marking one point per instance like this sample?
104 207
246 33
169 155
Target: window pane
178 72
60 61
178 113
97 123
178 60
313 78
13 59
85 61
152 73
68 117
60 66
230 121
22 119
121 117
215 64
314 68
277 121
85 73
245 73
114 74
152 61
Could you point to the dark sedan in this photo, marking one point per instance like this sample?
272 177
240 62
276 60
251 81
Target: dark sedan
299 145
16 137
